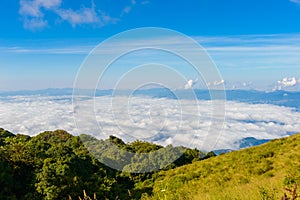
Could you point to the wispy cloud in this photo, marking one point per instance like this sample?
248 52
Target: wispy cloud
145 2
34 13
35 23
216 83
267 44
241 59
127 9
295 1
73 50
82 16
34 8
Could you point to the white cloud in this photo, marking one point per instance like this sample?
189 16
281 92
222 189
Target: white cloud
190 84
34 13
33 7
82 16
216 83
253 56
33 114
164 121
287 83
35 24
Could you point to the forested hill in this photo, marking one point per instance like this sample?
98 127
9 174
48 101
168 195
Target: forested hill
268 172
57 165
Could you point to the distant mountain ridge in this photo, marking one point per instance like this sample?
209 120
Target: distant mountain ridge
278 97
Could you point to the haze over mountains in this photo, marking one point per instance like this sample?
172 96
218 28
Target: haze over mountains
277 97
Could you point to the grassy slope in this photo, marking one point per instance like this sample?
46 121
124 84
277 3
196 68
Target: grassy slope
253 173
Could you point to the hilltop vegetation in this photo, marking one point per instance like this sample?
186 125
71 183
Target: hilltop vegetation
267 172
57 165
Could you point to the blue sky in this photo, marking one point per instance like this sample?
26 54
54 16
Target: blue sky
255 44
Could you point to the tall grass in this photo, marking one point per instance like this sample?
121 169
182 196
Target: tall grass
266 172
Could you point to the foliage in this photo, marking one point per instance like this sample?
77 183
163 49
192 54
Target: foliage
58 165
51 165
263 172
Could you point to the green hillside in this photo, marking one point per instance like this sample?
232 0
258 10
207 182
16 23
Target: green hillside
270 171
57 165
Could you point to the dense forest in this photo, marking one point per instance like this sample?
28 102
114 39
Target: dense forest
58 165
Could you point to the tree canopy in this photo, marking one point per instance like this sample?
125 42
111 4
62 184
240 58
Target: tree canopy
58 165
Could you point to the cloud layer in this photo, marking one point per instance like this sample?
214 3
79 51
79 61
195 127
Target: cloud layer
164 121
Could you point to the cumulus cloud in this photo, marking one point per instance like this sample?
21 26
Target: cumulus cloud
34 8
34 13
190 84
163 121
286 83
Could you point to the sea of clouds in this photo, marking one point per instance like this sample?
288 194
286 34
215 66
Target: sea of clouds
160 120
